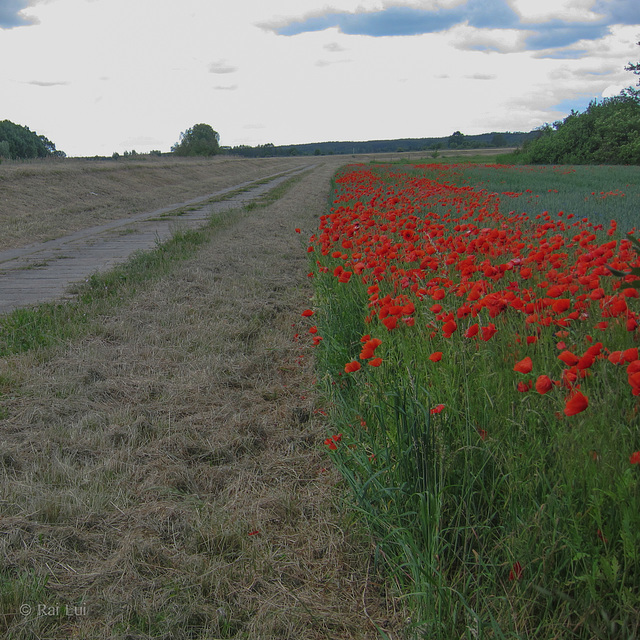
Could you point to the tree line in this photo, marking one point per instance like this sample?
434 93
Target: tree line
456 140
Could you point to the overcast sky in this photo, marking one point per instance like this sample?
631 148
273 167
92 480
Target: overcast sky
99 76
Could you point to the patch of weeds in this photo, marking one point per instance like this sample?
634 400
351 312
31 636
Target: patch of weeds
20 596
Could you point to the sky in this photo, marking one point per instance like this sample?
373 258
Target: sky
104 76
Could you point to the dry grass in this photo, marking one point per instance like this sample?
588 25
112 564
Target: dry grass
45 199
166 472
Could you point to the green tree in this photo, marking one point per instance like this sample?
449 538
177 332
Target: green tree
20 142
199 140
634 68
456 140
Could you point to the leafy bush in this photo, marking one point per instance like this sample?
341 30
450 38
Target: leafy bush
608 132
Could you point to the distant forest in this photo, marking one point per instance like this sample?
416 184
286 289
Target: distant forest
456 140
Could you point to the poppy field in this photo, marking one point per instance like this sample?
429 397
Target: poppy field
476 330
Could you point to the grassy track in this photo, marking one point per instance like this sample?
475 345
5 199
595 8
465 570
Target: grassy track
161 469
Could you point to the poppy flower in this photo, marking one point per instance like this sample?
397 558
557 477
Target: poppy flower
369 348
524 366
449 328
544 384
437 409
307 312
350 367
436 356
488 332
516 571
576 404
570 359
635 458
390 322
376 362
472 330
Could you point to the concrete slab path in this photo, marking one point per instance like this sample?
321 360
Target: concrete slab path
44 272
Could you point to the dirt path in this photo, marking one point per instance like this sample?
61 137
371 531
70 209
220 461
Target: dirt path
164 476
45 199
43 272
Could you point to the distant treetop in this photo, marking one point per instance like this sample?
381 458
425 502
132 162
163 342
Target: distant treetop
199 140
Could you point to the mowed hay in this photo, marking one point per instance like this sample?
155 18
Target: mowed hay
166 473
45 199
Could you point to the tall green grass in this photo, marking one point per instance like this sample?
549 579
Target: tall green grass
497 515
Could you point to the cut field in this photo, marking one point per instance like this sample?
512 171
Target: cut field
162 469
41 200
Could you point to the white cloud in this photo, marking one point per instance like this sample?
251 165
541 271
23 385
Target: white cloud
221 66
99 77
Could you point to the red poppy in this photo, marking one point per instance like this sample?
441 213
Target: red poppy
307 312
437 409
472 330
544 384
449 328
376 362
516 571
569 358
350 367
635 457
436 356
331 444
489 331
524 366
390 322
576 404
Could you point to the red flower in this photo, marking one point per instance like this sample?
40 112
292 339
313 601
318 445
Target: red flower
516 571
369 348
524 366
390 322
307 312
437 409
376 362
576 404
635 458
489 332
436 356
352 366
570 359
544 384
448 328
472 331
